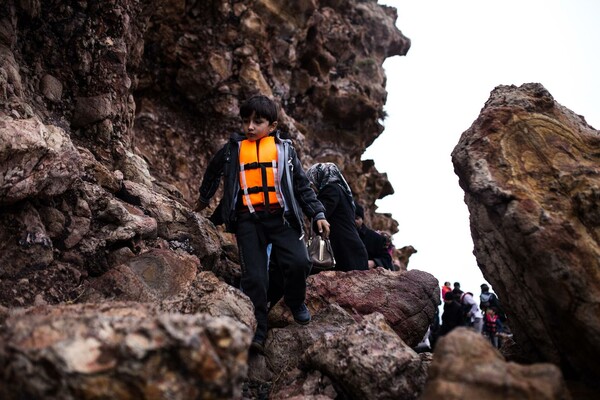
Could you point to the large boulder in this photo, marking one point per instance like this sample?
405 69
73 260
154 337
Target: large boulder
467 366
530 169
120 351
407 300
369 361
286 346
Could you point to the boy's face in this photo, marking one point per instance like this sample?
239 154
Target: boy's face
256 128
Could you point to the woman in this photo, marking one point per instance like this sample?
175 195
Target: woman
333 191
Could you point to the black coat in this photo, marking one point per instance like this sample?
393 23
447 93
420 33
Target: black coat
348 249
376 247
451 317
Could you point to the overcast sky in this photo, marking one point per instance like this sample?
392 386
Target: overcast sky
461 50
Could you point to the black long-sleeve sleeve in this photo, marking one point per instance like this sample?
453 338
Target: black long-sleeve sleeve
212 176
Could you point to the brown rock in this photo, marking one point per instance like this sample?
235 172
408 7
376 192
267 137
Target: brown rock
179 71
285 347
89 110
121 351
155 275
207 294
466 366
51 88
298 384
531 174
36 160
407 300
369 361
24 242
176 222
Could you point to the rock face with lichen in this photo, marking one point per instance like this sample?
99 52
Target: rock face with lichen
530 169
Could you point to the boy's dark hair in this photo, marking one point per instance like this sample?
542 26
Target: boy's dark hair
261 106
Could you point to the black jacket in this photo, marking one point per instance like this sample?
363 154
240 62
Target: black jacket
376 247
452 317
297 194
348 249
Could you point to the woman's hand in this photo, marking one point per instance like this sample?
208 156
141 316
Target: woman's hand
323 228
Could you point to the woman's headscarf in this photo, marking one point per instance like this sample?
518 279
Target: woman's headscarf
322 174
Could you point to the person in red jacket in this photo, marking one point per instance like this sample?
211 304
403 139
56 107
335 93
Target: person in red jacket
445 289
492 325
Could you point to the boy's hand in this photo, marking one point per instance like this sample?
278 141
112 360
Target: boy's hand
199 206
323 228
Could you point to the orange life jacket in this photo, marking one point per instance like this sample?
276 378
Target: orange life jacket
258 173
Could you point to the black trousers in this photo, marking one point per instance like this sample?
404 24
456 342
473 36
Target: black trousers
254 232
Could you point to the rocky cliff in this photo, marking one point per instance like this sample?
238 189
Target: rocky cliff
110 286
110 112
530 169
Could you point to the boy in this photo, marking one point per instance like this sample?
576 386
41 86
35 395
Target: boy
265 193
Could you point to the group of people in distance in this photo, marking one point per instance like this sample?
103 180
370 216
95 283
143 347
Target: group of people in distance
461 309
266 195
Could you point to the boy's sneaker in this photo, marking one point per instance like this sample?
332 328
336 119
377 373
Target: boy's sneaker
301 314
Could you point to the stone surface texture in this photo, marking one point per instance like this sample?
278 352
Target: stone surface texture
530 169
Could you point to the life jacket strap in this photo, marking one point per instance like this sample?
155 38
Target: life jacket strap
265 185
259 189
255 165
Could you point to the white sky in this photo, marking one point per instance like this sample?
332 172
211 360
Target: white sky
461 50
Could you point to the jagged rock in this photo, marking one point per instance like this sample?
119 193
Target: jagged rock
369 361
403 255
466 366
120 350
530 169
323 65
407 300
336 347
298 384
142 94
176 223
285 346
212 296
24 242
170 280
96 172
35 160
